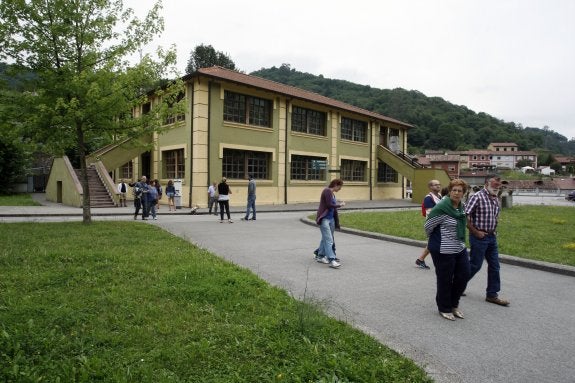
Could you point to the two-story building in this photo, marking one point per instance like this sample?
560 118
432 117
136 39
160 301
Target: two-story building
291 140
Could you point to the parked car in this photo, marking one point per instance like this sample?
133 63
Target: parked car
570 196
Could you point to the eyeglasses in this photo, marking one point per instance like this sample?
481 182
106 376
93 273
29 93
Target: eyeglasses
435 184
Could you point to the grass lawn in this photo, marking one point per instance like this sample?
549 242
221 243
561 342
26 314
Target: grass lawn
544 233
128 302
21 199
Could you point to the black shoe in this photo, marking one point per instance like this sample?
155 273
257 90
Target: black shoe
421 264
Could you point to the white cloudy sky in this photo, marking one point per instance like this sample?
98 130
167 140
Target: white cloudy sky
513 59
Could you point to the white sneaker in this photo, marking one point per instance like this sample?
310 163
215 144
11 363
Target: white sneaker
322 260
230 221
335 264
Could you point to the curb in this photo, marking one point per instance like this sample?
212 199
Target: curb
507 259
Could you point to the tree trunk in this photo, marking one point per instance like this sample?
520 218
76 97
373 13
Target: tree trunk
86 212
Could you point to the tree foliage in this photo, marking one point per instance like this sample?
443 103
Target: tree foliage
439 125
204 56
84 87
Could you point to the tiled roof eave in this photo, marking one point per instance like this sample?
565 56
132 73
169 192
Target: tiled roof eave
287 90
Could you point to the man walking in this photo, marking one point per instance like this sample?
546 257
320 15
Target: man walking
482 212
429 202
251 199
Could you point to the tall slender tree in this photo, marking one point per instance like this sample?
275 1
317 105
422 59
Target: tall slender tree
85 87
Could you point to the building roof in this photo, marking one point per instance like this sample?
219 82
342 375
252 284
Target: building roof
443 158
503 144
220 73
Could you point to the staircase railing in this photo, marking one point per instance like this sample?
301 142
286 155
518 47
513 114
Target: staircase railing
107 182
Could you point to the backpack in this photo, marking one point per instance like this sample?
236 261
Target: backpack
137 190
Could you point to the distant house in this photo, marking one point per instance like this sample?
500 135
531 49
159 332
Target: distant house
546 170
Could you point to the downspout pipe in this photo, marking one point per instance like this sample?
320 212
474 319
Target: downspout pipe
286 162
372 163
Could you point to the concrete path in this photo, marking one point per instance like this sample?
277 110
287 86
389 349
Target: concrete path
379 290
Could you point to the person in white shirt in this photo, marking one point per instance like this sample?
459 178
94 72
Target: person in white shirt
122 189
213 198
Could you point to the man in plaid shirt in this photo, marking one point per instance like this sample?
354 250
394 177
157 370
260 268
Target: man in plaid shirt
482 212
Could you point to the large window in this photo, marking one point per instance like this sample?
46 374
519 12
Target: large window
238 164
174 165
307 168
353 130
247 109
386 173
353 170
308 121
126 171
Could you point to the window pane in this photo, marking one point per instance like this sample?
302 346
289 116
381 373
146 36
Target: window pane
307 168
234 107
353 170
259 111
238 164
174 166
386 173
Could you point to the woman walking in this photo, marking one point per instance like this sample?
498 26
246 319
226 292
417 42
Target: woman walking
445 228
328 221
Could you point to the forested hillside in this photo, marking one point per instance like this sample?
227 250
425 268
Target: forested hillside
439 125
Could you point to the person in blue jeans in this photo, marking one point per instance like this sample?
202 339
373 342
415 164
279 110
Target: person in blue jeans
328 221
251 199
482 212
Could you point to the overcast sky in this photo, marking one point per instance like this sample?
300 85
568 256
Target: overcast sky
512 59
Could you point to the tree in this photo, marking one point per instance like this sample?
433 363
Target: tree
204 56
84 86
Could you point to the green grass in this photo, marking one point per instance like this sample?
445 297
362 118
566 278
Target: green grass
22 199
128 302
544 233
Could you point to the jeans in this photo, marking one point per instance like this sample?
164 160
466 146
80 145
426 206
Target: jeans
224 206
213 202
486 248
252 205
327 228
452 271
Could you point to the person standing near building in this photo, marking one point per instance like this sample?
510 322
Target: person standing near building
328 220
122 190
170 193
482 215
251 199
224 192
430 200
445 228
160 191
138 189
213 198
152 199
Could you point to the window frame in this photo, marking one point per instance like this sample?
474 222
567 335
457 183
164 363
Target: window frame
178 162
306 121
246 109
307 171
353 130
238 164
353 170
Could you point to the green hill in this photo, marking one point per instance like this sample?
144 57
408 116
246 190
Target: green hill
439 125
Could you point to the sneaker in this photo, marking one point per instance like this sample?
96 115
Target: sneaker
155 218
497 301
221 221
334 264
322 260
315 252
230 221
421 264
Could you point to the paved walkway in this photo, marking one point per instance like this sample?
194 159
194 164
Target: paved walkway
379 290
